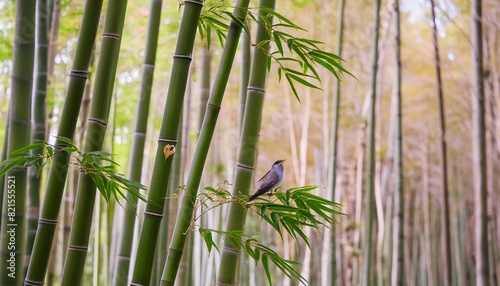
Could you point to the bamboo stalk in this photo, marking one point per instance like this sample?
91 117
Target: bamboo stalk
16 183
398 222
121 269
366 273
248 147
166 142
202 146
59 167
332 170
479 146
39 116
96 130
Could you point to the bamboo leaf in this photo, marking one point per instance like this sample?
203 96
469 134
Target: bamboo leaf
275 220
221 36
282 18
9 164
30 147
238 21
278 43
292 86
66 140
265 265
304 82
207 237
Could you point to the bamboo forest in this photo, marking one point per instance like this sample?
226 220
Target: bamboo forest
238 142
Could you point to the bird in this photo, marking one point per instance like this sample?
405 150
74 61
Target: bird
270 180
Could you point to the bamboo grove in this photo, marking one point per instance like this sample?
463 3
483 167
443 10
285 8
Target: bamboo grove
134 132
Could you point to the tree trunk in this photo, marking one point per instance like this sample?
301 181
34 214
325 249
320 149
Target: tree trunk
366 278
398 226
446 238
479 147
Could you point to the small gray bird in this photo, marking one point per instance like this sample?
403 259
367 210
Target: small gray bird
270 180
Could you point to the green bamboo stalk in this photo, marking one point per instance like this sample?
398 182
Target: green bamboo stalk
166 142
202 145
206 58
202 257
59 167
3 157
121 270
163 239
370 146
248 147
398 241
49 8
186 274
479 146
96 130
13 233
39 115
332 176
246 58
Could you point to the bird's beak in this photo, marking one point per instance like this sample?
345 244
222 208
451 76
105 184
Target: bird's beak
283 161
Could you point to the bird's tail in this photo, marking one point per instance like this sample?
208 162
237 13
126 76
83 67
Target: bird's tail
253 197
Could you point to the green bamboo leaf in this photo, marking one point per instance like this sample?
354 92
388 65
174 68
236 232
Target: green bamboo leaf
265 265
296 230
209 34
292 86
281 208
50 151
261 44
329 67
99 183
278 43
288 59
238 21
307 64
100 154
221 36
326 55
207 237
263 210
304 82
257 254
215 23
201 27
66 140
69 149
268 62
275 219
25 149
282 18
271 222
10 163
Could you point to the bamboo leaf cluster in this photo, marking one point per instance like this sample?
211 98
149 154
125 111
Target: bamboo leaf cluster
255 250
98 164
296 208
291 211
298 59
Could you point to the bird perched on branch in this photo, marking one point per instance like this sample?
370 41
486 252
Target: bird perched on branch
270 180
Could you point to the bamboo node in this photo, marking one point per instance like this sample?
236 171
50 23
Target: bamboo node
168 150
